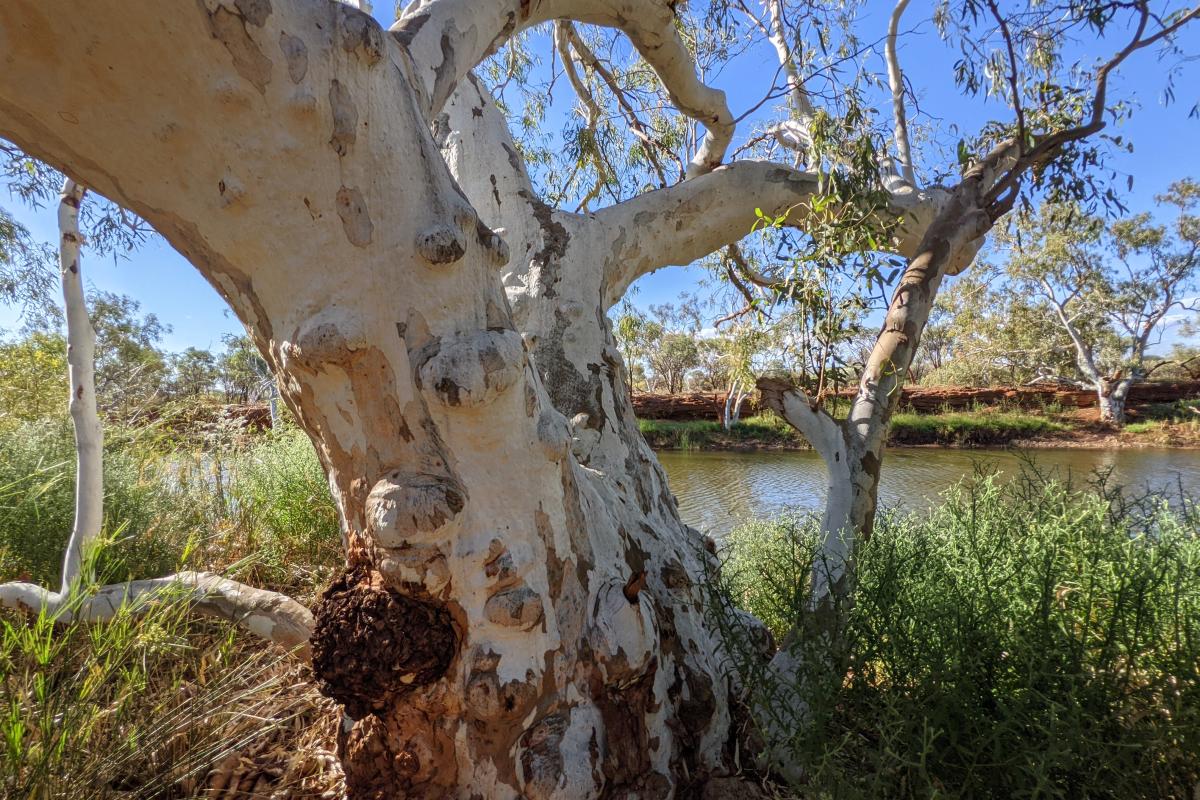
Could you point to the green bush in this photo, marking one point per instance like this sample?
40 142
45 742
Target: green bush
37 504
977 427
1023 640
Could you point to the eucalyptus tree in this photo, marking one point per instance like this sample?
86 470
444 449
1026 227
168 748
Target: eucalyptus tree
1111 287
521 612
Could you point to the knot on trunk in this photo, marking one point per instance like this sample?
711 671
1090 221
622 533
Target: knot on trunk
360 34
624 635
405 506
474 368
329 339
518 607
490 699
493 242
423 565
371 644
441 244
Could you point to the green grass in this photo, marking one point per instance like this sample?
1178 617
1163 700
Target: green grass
144 707
259 504
759 430
1023 640
766 430
970 428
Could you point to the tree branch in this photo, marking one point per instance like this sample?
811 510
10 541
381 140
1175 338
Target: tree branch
448 38
896 84
269 615
679 224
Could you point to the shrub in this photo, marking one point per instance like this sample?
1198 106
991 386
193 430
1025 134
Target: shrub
1024 640
37 503
285 514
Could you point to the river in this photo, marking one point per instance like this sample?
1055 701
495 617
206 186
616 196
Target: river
717 490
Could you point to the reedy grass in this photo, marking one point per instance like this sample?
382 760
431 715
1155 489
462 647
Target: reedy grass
1031 639
148 705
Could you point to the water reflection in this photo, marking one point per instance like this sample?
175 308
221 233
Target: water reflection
718 490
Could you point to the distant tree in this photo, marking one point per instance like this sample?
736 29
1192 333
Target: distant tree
33 382
195 372
245 375
26 269
635 333
131 370
675 355
985 334
1112 288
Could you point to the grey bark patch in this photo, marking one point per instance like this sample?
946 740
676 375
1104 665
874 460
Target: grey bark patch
254 11
554 235
295 52
570 390
360 34
541 758
230 30
345 117
409 29
355 220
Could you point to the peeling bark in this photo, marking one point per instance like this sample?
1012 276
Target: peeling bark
521 611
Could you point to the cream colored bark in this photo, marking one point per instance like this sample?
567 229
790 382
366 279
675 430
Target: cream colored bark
521 613
516 619
81 377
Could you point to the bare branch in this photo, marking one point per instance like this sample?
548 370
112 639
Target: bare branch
269 615
448 38
896 83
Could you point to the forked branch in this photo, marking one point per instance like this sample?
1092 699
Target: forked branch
448 38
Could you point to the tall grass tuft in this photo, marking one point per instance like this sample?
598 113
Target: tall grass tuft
1031 639
37 496
138 707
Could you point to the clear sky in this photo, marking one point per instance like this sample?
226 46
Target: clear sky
1167 146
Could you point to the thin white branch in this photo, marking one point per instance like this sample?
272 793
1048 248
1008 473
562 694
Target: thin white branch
896 83
81 351
795 133
269 615
827 437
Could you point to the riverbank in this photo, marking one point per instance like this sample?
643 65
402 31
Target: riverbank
1152 425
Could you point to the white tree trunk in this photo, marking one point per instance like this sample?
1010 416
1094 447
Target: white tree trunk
1112 396
81 375
521 613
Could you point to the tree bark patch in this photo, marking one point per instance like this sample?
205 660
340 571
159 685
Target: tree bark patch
372 644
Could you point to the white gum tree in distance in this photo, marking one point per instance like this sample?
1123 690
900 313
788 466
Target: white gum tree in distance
522 611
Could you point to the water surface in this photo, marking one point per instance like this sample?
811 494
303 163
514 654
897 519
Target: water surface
717 490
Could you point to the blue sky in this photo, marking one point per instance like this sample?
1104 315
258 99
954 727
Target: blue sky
1165 142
